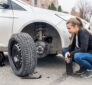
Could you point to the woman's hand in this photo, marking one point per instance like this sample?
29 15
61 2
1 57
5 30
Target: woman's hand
66 57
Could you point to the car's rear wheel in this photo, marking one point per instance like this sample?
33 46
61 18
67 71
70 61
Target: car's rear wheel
22 54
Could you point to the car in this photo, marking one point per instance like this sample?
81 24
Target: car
28 33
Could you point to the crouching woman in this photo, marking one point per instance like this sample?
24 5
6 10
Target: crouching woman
80 48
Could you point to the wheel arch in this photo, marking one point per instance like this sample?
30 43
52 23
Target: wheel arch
45 22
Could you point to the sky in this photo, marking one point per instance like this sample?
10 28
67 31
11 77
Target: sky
67 5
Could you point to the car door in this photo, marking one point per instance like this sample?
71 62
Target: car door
6 24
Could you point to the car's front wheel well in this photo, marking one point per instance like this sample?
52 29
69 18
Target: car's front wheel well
45 32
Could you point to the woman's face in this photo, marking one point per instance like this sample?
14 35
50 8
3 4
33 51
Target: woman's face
72 29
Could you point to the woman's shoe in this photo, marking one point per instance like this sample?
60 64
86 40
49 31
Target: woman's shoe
87 74
80 71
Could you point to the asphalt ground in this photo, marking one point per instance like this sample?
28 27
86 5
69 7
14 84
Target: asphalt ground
52 69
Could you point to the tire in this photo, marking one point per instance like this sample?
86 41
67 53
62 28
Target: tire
22 54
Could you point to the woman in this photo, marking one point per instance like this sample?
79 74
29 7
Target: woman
80 48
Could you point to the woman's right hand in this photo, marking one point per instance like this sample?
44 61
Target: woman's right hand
66 57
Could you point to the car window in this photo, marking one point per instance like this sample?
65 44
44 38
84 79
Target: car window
16 6
9 3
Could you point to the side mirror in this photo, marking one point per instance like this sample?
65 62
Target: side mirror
4 3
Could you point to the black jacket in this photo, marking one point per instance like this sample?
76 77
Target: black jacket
84 42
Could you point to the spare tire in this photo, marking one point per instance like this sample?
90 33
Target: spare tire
22 54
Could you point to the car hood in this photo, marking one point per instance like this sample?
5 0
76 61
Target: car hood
48 12
45 11
51 13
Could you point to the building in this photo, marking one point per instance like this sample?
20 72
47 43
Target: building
42 3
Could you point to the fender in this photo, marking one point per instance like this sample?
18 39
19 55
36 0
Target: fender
44 21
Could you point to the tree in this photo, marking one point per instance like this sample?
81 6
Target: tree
52 7
59 8
85 9
49 7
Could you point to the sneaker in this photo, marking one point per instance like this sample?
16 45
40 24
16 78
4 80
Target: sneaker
81 70
87 74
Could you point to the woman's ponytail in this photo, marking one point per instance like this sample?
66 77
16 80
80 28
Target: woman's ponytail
80 22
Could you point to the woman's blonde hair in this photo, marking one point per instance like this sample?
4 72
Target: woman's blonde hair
76 21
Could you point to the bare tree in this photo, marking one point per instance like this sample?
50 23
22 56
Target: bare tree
85 9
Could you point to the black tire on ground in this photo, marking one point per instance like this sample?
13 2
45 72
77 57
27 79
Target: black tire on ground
22 54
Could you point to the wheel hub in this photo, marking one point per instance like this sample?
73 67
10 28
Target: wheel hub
16 59
40 45
40 50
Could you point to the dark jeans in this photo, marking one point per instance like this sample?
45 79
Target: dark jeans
83 59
